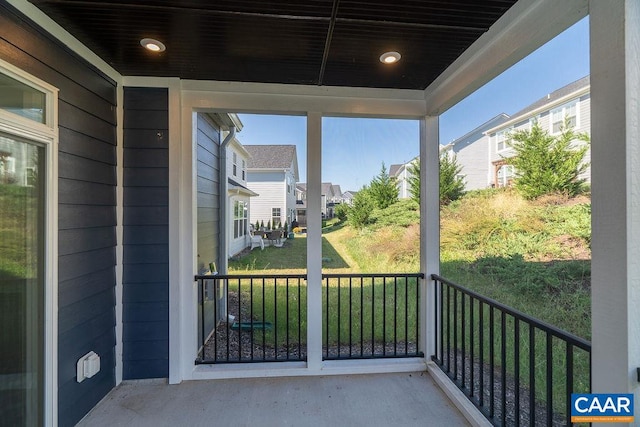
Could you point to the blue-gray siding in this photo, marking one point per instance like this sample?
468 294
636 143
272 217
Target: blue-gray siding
145 299
87 213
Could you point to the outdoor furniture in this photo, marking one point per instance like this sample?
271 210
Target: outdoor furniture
275 238
256 241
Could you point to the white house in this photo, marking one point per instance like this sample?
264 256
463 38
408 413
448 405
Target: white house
472 153
272 172
571 103
402 173
238 198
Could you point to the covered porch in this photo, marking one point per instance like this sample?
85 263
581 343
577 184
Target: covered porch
403 399
132 296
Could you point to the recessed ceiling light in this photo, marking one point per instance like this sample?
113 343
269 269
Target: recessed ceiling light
153 45
390 57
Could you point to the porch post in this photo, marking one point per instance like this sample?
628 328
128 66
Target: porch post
314 241
615 148
429 226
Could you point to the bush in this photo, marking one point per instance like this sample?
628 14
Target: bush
341 211
383 189
548 164
360 212
451 185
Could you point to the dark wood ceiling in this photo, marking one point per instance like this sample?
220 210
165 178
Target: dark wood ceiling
316 42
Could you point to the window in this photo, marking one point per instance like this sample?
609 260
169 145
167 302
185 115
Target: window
505 176
502 140
565 114
235 164
276 219
28 253
244 170
240 221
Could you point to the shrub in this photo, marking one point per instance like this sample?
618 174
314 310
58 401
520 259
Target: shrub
451 185
546 164
360 212
342 210
383 189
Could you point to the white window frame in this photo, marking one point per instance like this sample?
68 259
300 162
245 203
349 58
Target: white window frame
505 145
235 164
46 135
563 111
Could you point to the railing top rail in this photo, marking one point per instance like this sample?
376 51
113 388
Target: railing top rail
249 276
553 330
372 275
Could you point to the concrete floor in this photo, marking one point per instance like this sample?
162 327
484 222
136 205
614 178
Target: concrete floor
404 399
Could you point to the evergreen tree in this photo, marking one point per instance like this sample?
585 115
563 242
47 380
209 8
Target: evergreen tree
384 189
547 164
451 185
413 179
360 211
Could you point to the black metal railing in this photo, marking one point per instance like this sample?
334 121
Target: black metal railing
369 316
248 318
516 369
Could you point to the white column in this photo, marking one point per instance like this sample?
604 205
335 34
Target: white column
429 227
615 170
314 241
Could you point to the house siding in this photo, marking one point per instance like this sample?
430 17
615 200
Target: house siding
145 296
271 187
208 191
87 213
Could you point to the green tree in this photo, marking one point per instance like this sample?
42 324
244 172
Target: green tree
413 178
360 211
546 163
451 185
342 210
384 189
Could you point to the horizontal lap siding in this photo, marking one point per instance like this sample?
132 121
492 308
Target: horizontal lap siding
145 308
208 191
87 213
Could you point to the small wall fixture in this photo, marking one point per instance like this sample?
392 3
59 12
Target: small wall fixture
390 57
153 45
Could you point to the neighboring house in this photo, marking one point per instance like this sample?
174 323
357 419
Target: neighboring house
347 197
301 204
472 154
571 103
239 194
330 196
401 173
272 172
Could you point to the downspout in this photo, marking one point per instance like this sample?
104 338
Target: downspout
223 258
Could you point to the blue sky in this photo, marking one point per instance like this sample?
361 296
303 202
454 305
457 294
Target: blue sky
353 149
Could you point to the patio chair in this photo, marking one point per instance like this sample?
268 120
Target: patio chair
275 237
256 241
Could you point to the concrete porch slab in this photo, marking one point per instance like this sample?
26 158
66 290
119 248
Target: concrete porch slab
398 399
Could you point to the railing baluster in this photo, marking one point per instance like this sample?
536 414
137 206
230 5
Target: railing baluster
455 334
503 357
516 369
481 350
491 363
264 330
384 315
327 318
239 321
299 319
472 357
549 379
215 318
395 314
569 380
251 314
361 317
436 326
339 317
275 318
462 359
373 315
287 303
532 374
442 311
202 314
350 317
448 329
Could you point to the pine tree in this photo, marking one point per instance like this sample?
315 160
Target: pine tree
384 189
547 164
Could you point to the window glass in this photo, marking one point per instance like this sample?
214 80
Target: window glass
21 99
22 283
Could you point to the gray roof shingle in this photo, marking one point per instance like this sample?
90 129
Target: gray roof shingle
553 96
270 156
